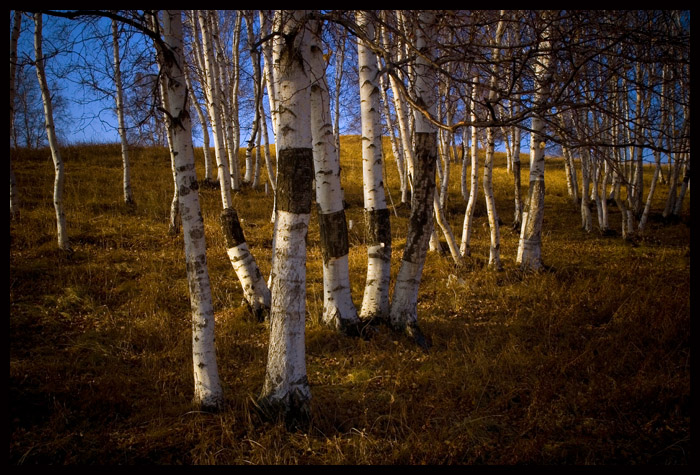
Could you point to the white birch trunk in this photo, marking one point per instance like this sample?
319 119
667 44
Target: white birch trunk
464 248
207 388
375 302
404 312
14 38
530 245
684 188
268 71
586 219
495 247
235 139
59 177
214 110
652 188
126 179
518 209
464 188
208 159
339 310
286 388
255 290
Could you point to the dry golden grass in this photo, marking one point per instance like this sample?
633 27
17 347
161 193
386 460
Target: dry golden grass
587 362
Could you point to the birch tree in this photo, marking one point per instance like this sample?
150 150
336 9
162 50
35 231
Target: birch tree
126 179
338 308
464 247
494 249
207 387
213 104
286 388
530 244
59 174
14 37
375 302
403 312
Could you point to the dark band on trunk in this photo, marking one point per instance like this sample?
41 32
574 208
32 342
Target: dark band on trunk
232 228
377 227
295 172
334 234
420 223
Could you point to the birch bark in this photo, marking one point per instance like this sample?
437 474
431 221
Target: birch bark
207 388
404 312
375 302
14 38
530 245
339 310
59 177
126 175
286 388
464 247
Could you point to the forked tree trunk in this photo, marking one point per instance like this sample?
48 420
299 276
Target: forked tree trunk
286 390
59 179
207 388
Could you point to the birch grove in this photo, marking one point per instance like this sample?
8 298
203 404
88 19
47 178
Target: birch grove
440 82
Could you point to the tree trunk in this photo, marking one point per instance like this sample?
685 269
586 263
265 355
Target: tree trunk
208 160
14 37
518 211
62 235
207 388
286 388
495 248
467 227
586 219
339 312
214 110
375 303
530 246
255 290
126 181
404 312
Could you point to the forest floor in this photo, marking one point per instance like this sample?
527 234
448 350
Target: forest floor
584 363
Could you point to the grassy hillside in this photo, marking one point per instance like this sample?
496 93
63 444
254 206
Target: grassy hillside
587 362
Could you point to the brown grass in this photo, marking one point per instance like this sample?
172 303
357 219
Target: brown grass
587 362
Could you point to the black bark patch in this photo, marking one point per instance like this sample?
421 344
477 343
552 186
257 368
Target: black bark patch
295 172
231 226
420 222
334 235
377 227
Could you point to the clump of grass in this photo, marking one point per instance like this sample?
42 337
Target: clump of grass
587 362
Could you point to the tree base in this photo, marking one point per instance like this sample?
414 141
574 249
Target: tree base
414 332
293 410
359 329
